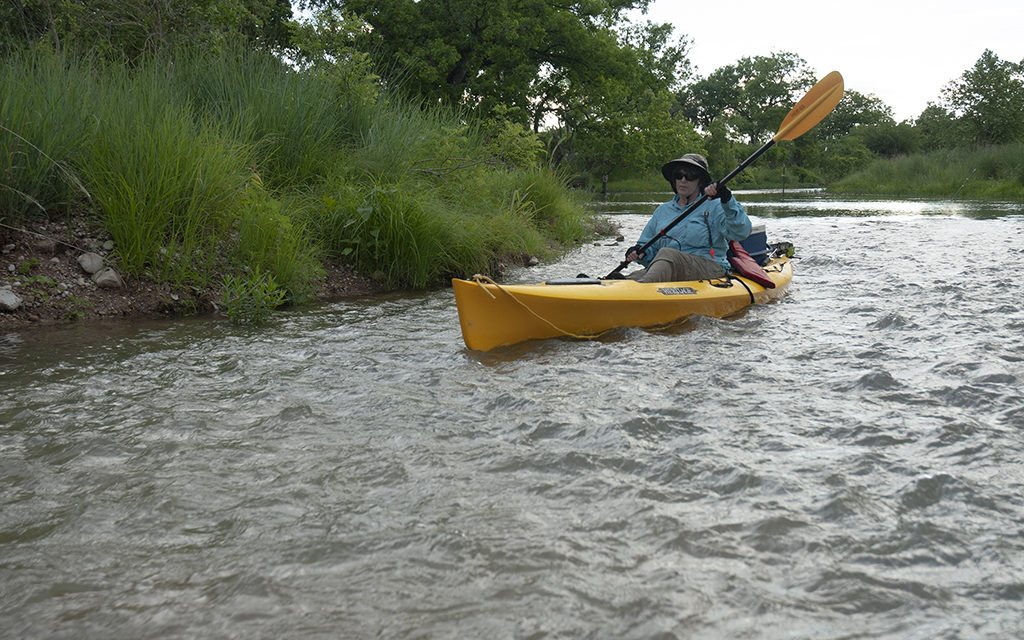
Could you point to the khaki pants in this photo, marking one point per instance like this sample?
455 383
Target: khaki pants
671 265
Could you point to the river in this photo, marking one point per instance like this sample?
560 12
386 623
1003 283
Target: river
844 463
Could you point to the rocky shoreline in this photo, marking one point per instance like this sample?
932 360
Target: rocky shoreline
59 272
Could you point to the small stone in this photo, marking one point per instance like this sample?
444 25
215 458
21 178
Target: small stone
90 262
108 279
9 248
9 301
533 262
55 260
11 268
108 245
46 245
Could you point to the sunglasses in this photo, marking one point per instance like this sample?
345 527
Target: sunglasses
686 175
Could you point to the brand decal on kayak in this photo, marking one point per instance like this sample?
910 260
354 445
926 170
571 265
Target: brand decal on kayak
677 291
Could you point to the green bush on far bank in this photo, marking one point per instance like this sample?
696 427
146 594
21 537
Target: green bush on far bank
203 166
985 173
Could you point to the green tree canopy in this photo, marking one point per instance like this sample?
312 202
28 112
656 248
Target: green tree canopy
855 109
751 97
989 100
577 68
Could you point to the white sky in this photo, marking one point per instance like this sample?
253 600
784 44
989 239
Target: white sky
901 51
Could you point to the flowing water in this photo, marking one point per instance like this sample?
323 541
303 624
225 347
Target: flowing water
845 463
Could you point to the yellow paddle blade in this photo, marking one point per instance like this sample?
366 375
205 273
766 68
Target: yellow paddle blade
812 108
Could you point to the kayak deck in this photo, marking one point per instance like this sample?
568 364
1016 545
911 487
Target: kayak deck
493 315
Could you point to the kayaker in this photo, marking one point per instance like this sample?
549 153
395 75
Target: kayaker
694 249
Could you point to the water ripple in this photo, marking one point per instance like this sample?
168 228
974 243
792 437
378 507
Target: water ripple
845 463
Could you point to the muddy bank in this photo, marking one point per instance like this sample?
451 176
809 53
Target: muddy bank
39 265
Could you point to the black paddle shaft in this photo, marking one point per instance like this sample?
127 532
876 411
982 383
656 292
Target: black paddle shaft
693 207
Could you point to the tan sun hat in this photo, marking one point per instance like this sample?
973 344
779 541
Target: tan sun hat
690 159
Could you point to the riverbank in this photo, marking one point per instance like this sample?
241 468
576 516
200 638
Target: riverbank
40 266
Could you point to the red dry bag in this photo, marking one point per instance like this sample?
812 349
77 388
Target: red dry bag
746 266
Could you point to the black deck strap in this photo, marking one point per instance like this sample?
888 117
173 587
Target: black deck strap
749 292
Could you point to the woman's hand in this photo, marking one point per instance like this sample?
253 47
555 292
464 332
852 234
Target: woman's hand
633 253
715 190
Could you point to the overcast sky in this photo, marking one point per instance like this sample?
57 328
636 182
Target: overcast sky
901 51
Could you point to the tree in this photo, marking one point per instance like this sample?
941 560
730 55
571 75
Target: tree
938 128
989 99
751 96
479 53
855 109
708 100
602 90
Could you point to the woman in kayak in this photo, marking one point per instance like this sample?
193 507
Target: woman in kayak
694 249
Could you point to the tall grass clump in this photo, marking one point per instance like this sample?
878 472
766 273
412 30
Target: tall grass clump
983 173
234 169
165 185
44 101
416 230
420 198
269 241
296 126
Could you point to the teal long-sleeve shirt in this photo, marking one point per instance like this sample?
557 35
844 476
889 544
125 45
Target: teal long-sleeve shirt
726 222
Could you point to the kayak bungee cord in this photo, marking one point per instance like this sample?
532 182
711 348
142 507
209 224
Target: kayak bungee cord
480 279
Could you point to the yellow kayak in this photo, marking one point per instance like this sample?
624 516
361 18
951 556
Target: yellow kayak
494 315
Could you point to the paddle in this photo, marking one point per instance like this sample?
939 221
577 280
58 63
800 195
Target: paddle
809 111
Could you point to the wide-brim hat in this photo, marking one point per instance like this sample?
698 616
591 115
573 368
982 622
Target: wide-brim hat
694 160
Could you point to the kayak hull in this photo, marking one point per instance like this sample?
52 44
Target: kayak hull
493 315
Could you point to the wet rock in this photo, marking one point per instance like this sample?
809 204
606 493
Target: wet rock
108 279
9 301
90 262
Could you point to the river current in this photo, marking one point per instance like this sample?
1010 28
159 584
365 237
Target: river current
845 463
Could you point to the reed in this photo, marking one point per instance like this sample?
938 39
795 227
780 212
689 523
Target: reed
233 163
165 186
982 173
43 128
295 126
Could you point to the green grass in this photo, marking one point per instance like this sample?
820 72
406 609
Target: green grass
987 173
233 168
164 185
44 122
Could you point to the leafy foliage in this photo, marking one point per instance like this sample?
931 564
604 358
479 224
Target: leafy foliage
250 299
989 99
751 96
